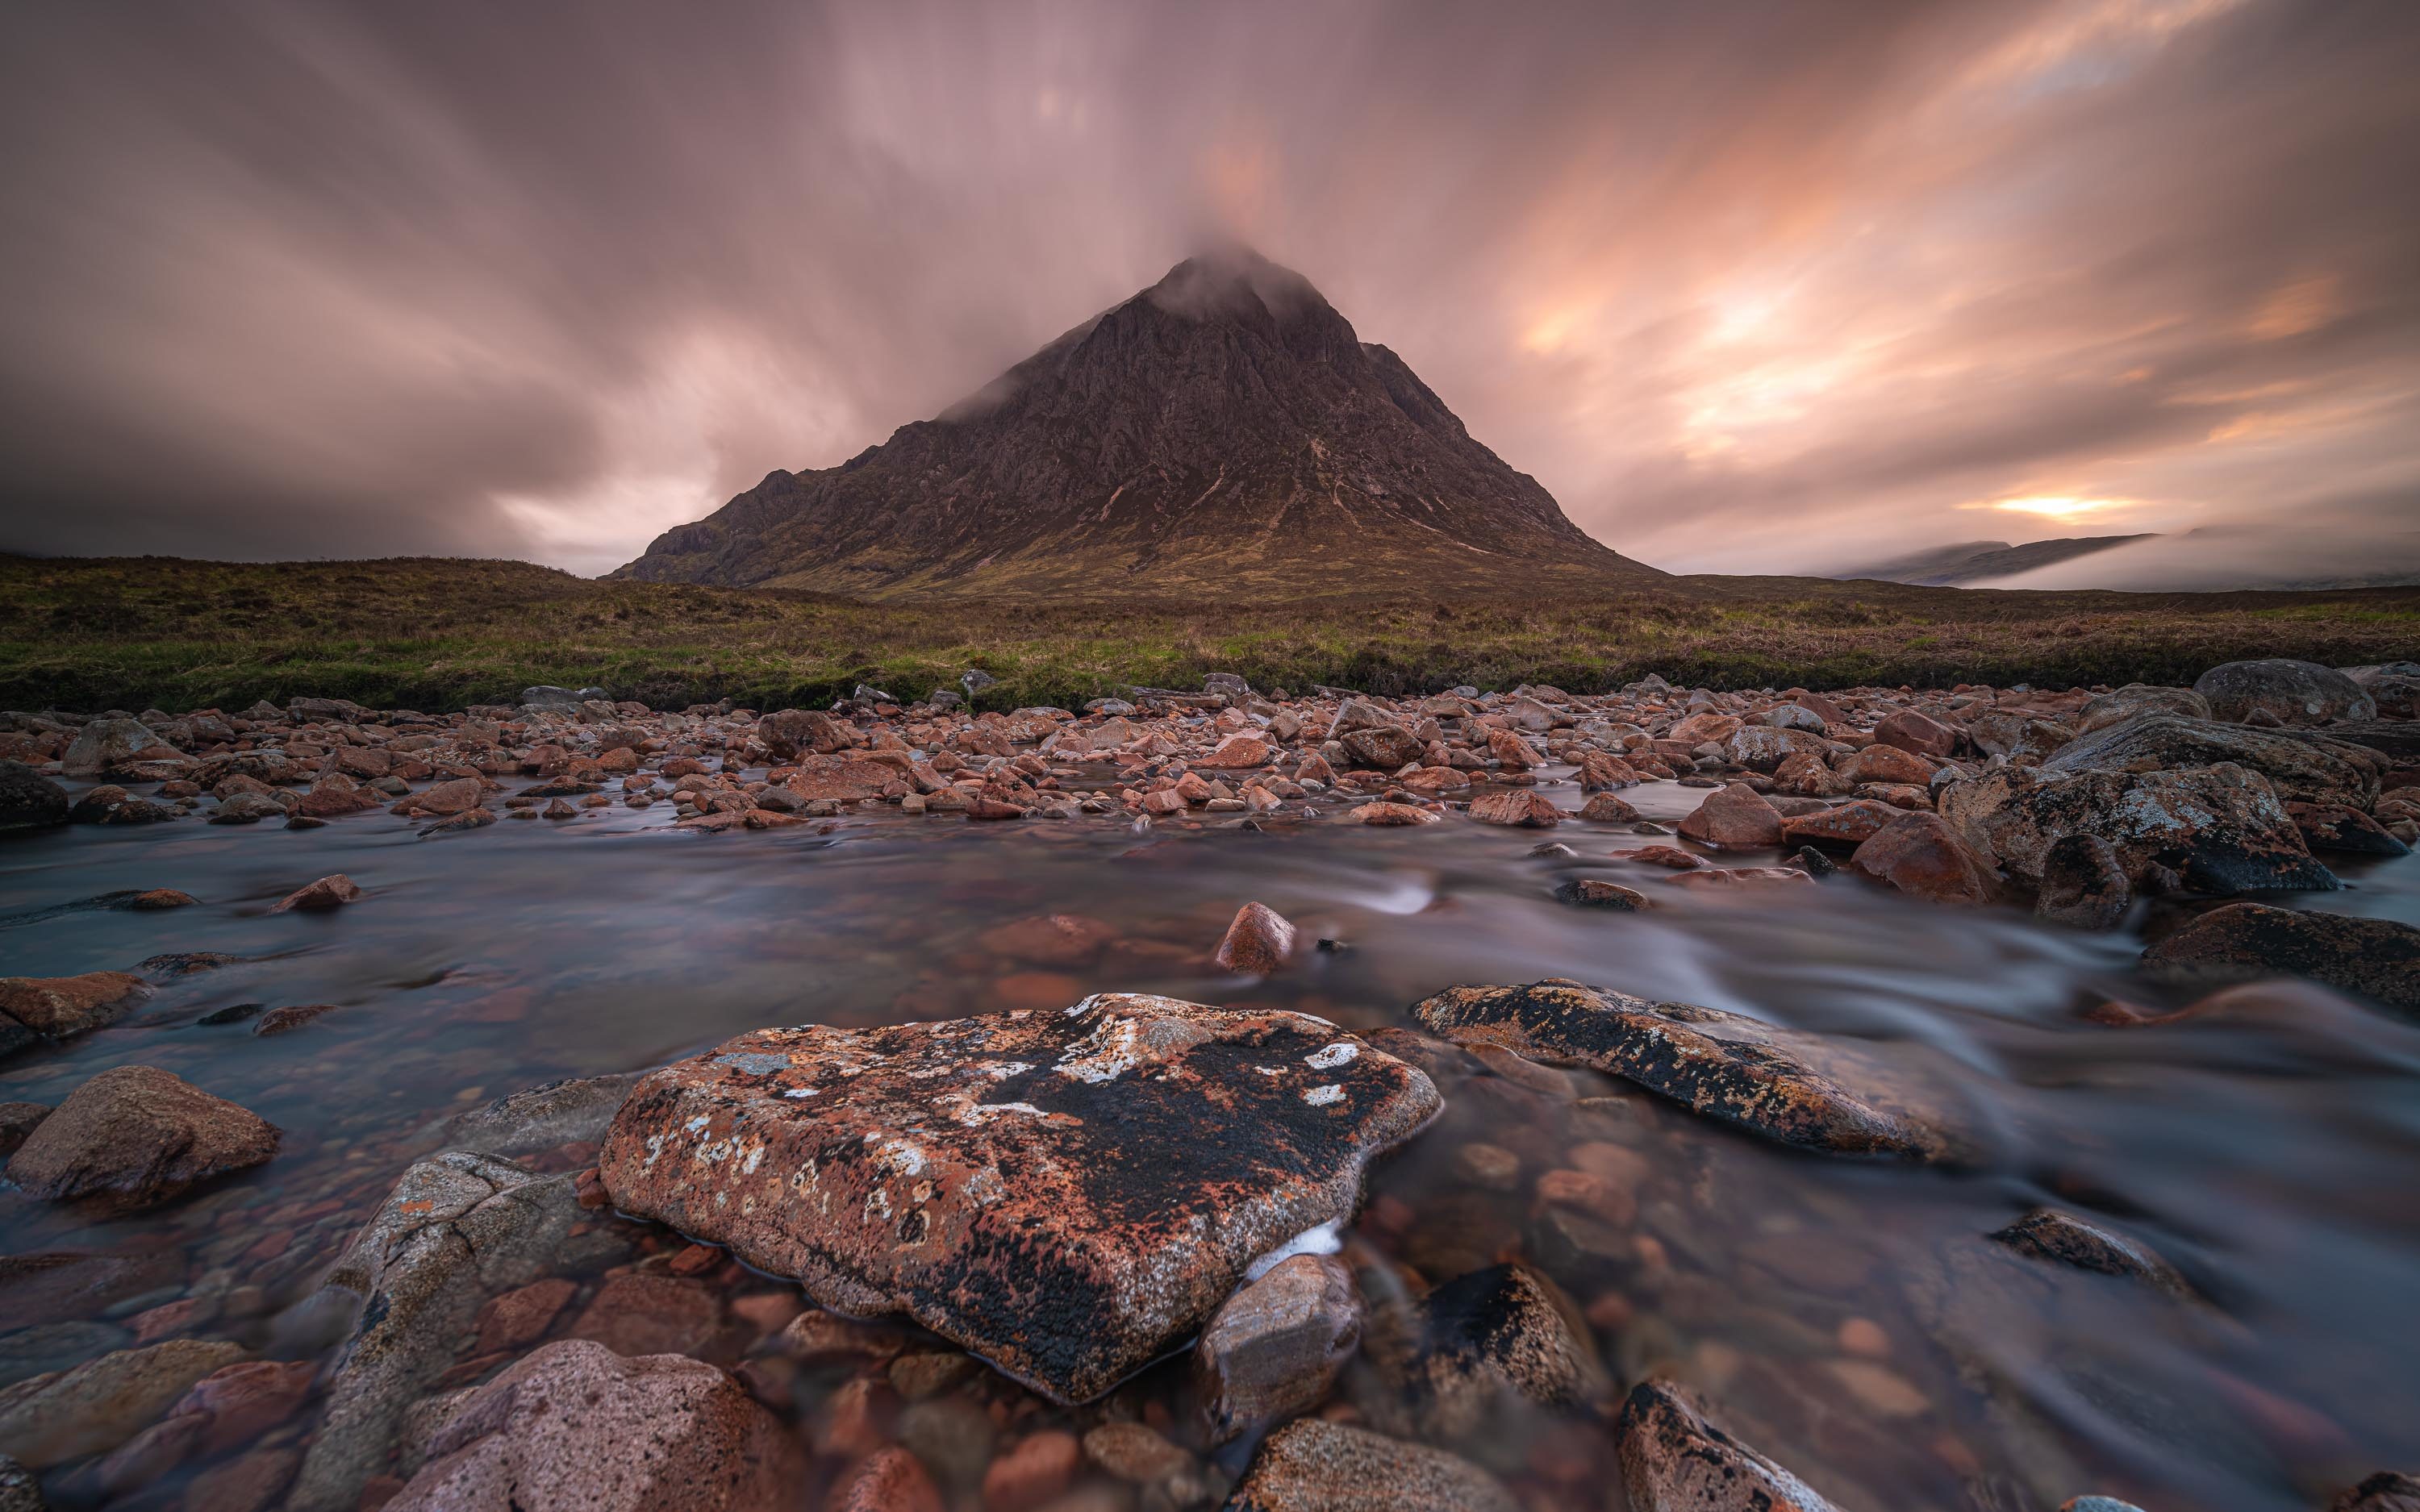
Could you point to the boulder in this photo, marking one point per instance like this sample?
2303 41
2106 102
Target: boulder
1521 807
1916 733
2309 768
843 779
457 1230
1848 824
2106 709
132 1136
1601 772
2015 734
2221 827
1386 747
1922 856
1675 1460
2292 692
107 746
1238 750
30 800
789 733
1066 1195
1393 814
1258 942
1593 892
2375 958
1473 1355
1734 817
61 1008
1886 765
1607 808
1312 1465
2395 687
1791 1087
1762 747
101 1403
575 1427
1272 1350
111 805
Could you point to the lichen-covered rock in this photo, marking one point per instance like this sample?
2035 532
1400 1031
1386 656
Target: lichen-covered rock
575 1427
1674 1460
1274 1348
2386 1491
792 733
2292 692
2331 827
136 1135
537 1119
2221 827
2371 957
1386 747
1793 1087
1312 1465
2311 768
107 746
1065 1194
2048 1234
456 1229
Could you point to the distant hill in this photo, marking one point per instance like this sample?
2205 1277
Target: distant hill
1975 561
1224 429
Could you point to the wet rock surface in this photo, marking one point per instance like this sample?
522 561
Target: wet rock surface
575 1427
2375 958
1674 1460
1315 1465
2221 827
1464 1358
1065 1192
136 1135
1274 1348
1793 1087
101 1404
2048 1234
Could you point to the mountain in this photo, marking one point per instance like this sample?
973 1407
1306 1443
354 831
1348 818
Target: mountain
1223 430
1975 561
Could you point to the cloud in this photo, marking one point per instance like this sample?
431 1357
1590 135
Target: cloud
1748 285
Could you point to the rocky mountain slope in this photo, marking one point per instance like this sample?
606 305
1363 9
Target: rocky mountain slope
1224 428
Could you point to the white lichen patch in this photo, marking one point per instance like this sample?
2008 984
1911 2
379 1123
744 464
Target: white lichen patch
1331 1057
1319 1097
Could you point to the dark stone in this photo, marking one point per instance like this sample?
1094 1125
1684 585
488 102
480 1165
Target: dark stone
1791 1087
1590 892
30 800
1460 1357
2048 1234
2221 827
2374 958
2292 692
1675 1460
2311 767
1067 1193
2083 884
2331 827
2386 1491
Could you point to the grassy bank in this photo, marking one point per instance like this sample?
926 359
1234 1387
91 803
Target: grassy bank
436 633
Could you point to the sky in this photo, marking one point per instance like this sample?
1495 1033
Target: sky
1780 285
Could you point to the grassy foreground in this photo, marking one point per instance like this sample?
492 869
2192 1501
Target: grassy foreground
439 634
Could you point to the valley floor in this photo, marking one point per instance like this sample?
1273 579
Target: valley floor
440 633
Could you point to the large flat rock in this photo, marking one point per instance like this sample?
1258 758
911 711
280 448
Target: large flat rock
1795 1088
1067 1193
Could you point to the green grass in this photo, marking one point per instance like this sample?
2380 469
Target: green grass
440 634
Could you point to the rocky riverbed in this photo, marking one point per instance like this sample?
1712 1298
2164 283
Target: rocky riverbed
1658 1098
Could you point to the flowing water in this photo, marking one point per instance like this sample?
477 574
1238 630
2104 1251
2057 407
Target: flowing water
1851 1318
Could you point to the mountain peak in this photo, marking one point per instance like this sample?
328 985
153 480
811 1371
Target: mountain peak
1223 429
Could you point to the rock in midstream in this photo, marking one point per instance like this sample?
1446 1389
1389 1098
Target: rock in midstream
2375 958
2222 826
1068 1195
1312 1465
1674 1460
1455 1360
1798 1089
2305 767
